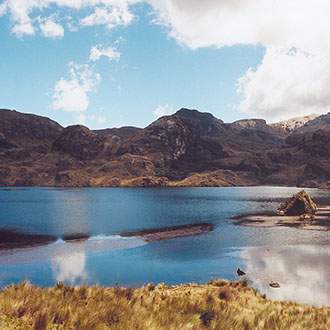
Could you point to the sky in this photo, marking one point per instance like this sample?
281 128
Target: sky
110 63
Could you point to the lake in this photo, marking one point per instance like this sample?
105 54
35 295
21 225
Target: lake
298 259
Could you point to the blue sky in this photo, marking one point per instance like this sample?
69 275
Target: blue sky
168 57
154 70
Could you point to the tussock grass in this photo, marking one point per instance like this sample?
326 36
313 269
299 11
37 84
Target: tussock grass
216 305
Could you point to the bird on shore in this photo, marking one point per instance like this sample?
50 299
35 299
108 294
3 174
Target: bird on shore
274 284
240 272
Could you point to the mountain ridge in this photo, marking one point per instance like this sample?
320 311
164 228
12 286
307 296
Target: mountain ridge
292 124
188 148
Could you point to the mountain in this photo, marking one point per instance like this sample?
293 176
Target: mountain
19 129
79 142
188 148
288 126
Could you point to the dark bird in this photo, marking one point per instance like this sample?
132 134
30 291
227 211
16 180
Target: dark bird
274 284
240 272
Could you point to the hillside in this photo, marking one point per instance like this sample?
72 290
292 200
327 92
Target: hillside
287 126
216 305
189 148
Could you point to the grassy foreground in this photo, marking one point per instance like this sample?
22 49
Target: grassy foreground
216 305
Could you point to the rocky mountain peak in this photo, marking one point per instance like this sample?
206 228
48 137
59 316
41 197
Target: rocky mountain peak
250 123
292 124
79 142
202 123
27 129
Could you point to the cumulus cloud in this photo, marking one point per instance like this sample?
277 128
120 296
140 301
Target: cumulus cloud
293 23
163 110
19 12
287 83
23 28
72 94
110 17
51 29
23 13
294 74
98 51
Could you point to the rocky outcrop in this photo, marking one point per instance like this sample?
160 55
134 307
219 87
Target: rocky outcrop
299 204
251 123
167 139
255 131
288 126
125 132
311 131
219 178
78 141
146 181
201 123
21 130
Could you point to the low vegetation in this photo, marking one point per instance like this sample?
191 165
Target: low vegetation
216 305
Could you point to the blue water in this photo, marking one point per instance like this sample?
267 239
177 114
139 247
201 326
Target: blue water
108 259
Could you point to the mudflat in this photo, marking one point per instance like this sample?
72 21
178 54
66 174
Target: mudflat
321 221
150 235
14 239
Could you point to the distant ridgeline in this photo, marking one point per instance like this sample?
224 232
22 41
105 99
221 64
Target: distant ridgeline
189 148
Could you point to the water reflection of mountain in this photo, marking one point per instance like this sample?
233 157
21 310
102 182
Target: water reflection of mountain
302 271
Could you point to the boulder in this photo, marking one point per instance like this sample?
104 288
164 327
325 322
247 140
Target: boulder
297 205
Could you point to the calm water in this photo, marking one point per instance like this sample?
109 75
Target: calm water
298 260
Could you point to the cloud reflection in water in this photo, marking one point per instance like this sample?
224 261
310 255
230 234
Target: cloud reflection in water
302 272
68 261
70 268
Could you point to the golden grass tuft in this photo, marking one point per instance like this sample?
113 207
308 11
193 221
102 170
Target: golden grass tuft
216 305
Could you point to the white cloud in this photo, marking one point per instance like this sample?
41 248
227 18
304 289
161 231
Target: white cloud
21 29
163 110
288 82
96 120
111 17
19 11
98 51
3 8
285 23
51 29
23 13
301 270
72 94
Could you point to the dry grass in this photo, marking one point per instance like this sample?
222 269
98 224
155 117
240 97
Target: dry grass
216 305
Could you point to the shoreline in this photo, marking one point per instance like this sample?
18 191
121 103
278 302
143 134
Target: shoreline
321 222
217 304
166 186
11 239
